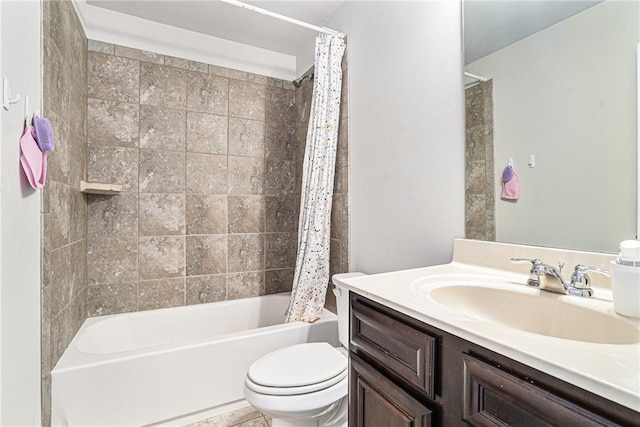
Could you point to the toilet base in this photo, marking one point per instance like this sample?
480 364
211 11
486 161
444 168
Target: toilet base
334 416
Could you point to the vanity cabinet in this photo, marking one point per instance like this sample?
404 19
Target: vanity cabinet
407 373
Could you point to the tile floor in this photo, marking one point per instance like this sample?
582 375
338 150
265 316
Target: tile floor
245 417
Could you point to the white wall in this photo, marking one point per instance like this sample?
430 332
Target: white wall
19 223
406 131
126 30
568 95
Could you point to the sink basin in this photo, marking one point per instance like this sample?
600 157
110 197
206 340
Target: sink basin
531 310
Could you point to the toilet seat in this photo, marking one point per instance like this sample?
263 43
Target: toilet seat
298 369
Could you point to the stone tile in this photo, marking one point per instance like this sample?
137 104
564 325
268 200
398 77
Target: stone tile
60 279
57 227
206 174
206 254
56 83
280 178
245 252
280 250
276 281
207 93
113 165
301 141
162 128
58 160
141 55
334 261
113 78
111 260
161 257
78 267
273 82
205 289
257 78
246 137
342 147
475 180
206 214
246 100
207 133
162 86
112 298
163 293
112 123
246 175
102 47
227 72
186 64
161 171
112 216
161 214
475 212
340 180
282 214
77 160
246 214
280 105
57 26
230 419
258 422
245 285
280 141
78 103
60 335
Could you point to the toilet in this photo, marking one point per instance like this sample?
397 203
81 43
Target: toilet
305 385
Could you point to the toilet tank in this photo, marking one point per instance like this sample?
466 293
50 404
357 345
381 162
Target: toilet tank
342 305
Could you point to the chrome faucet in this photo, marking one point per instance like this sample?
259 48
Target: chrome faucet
549 278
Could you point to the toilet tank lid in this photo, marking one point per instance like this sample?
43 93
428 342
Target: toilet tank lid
298 365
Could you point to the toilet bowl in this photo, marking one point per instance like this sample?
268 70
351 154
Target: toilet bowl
305 385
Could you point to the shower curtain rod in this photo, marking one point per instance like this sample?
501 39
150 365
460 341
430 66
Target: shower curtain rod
282 17
475 76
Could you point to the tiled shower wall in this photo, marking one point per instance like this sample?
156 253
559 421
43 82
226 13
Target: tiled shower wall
208 158
480 194
64 208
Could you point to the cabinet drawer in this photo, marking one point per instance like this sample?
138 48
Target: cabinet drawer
398 347
375 401
493 397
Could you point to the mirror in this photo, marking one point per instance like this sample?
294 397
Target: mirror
559 100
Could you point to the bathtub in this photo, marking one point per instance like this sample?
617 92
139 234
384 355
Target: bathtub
166 366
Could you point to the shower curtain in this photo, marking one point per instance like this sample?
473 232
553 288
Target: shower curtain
312 263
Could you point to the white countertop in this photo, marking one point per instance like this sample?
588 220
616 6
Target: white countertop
608 370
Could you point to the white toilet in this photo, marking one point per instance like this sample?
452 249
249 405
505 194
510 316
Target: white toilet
305 385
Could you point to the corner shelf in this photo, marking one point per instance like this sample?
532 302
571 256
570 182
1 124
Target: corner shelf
97 188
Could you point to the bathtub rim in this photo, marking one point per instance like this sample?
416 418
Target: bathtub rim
74 359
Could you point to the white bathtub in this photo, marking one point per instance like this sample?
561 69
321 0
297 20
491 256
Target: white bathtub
164 365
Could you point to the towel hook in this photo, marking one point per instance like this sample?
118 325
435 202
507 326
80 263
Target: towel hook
510 162
6 94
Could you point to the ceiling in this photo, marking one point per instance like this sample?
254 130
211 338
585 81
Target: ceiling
491 25
229 22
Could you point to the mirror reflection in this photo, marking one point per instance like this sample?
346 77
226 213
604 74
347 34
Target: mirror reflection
553 88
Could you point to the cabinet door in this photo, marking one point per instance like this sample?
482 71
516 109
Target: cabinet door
493 397
398 347
375 401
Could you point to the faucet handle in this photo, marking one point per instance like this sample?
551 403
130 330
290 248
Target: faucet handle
538 269
580 278
534 262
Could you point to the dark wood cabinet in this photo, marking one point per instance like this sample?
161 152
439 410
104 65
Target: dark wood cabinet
407 373
375 401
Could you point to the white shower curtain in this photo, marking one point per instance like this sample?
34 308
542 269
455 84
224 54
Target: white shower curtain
312 263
